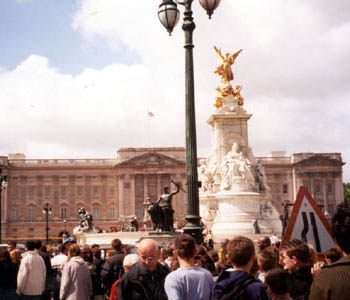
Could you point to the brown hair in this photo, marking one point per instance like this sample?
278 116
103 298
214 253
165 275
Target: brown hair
74 250
240 250
117 244
300 250
268 258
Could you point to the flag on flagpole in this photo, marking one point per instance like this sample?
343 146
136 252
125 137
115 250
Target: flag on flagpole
150 114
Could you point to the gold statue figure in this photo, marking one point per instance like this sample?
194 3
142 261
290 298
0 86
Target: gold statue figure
224 69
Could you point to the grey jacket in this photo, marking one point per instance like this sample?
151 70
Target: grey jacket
76 280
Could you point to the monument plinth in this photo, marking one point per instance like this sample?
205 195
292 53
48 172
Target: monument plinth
234 191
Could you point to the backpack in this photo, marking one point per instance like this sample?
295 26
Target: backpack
238 292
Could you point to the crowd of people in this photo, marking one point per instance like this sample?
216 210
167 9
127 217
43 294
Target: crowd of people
240 269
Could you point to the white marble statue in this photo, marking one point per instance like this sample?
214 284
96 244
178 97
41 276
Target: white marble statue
205 176
261 178
235 169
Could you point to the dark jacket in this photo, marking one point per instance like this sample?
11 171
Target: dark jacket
299 283
8 275
227 281
95 271
112 269
140 284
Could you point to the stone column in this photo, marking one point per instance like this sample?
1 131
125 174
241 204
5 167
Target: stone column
121 196
159 185
132 198
338 188
145 186
324 190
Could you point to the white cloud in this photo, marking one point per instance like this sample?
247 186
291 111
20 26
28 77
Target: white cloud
293 69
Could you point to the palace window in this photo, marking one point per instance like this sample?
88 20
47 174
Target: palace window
47 191
79 191
285 188
15 191
95 191
31 191
63 213
63 191
31 214
14 215
96 213
112 212
111 191
330 188
331 209
318 188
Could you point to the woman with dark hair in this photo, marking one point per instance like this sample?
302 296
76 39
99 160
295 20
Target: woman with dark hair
96 269
76 280
8 276
202 259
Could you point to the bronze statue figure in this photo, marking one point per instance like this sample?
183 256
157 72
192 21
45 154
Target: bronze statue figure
161 211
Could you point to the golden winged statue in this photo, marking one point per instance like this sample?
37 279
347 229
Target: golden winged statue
224 69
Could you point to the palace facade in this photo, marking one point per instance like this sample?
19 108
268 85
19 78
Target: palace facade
114 190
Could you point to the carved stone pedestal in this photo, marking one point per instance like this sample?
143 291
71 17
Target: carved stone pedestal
230 214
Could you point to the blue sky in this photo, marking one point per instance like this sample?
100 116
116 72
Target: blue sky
45 28
78 77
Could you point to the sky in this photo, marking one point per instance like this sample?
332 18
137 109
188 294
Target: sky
78 77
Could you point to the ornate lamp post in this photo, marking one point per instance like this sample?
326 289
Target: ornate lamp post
47 212
65 235
169 15
3 185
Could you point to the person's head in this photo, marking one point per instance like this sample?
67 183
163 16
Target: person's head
4 255
296 254
86 254
95 246
276 282
268 259
166 190
96 252
332 255
30 245
241 252
67 243
185 246
341 227
11 246
214 255
38 244
129 260
264 243
117 244
148 254
74 250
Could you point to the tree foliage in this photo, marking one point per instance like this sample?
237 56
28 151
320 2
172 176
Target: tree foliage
347 192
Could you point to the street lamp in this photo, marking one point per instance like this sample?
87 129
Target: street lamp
168 15
65 229
3 185
47 212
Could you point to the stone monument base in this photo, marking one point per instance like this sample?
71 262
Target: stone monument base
229 214
131 238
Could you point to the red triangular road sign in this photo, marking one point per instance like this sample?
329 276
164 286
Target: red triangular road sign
307 223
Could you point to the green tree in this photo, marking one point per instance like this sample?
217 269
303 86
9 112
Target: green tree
346 192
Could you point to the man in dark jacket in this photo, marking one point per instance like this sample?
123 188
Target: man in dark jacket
145 280
237 283
332 282
113 267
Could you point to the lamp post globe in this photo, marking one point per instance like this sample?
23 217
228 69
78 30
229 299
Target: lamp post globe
209 6
168 15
